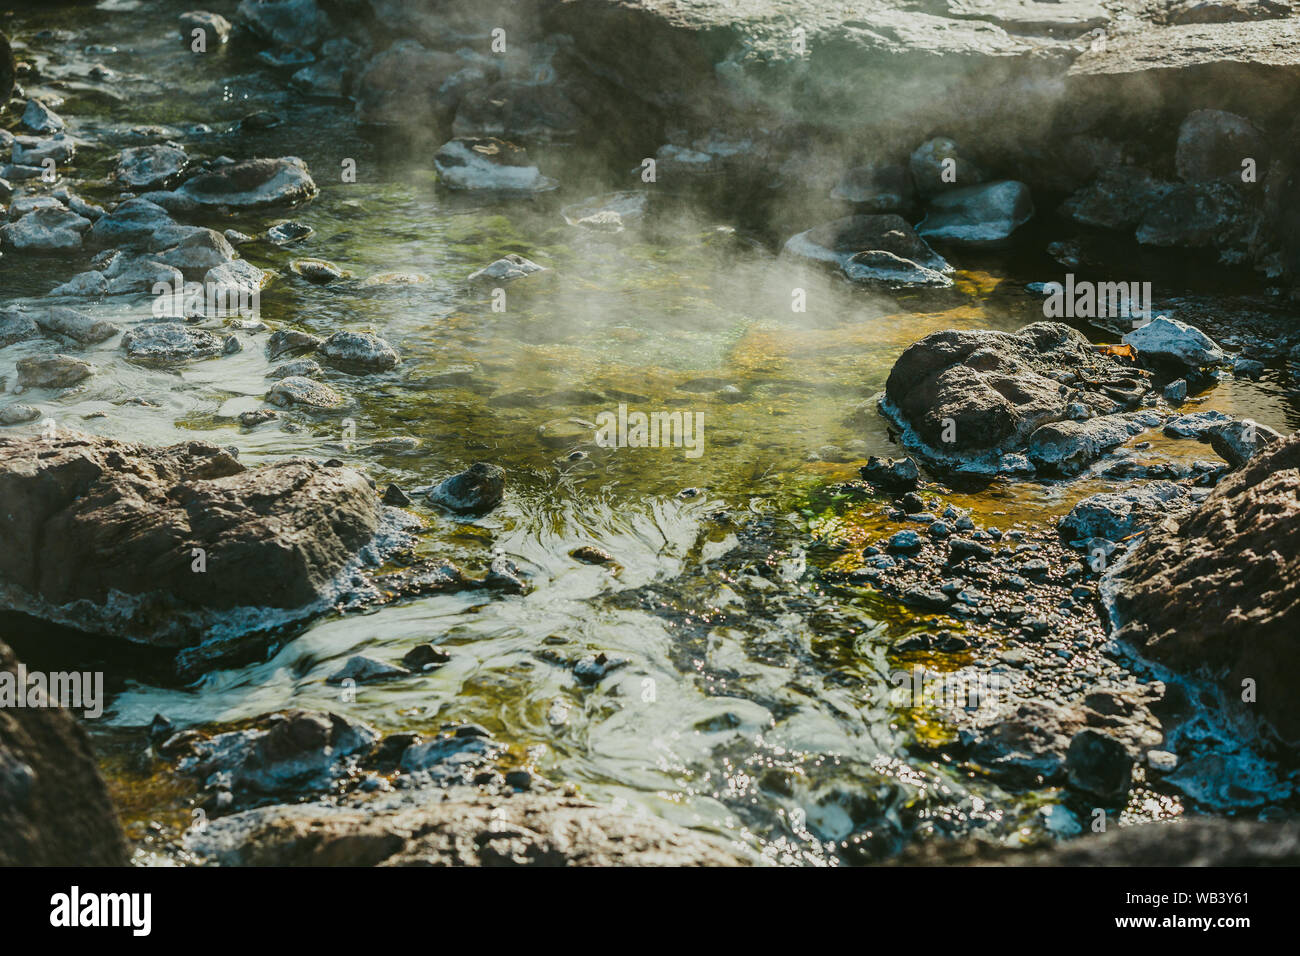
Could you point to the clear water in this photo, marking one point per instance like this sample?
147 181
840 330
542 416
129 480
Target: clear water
752 706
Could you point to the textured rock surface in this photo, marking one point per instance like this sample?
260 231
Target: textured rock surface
1219 592
54 806
523 830
100 535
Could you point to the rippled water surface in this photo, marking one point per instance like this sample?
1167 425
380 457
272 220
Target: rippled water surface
752 703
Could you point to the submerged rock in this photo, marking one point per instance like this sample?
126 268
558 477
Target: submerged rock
173 546
506 269
55 809
476 490
52 371
840 240
1218 592
363 669
252 184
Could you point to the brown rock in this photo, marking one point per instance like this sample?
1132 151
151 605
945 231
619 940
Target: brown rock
1219 592
101 535
54 806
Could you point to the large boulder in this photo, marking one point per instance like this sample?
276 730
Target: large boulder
1218 593
967 398
172 546
525 830
54 806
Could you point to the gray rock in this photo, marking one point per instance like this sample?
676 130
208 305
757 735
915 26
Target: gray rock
506 269
1168 340
39 118
1212 145
877 188
287 23
1068 447
16 327
980 215
305 367
252 184
198 253
839 241
136 274
71 324
297 391
896 475
358 352
1196 215
290 341
1239 442
215 27
476 491
934 174
1176 391
33 151
364 669
1117 199
886 268
134 224
1099 765
46 230
487 163
1196 424
52 371
169 343
84 285
1115 516
18 414
151 167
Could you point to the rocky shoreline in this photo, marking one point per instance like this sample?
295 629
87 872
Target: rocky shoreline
1146 638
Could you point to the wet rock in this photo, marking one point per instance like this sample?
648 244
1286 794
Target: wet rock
1239 442
608 213
968 399
133 224
905 542
1196 425
476 491
288 232
363 669
136 274
1115 516
173 546
39 118
72 324
34 150
84 285
487 163
526 830
52 371
1196 215
317 270
169 343
1166 340
54 806
506 269
425 657
1099 765
504 575
1066 448
257 417
252 184
1212 145
938 166
18 414
877 188
308 368
16 327
1116 200
46 230
396 497
216 28
300 751
151 167
290 341
1193 841
198 253
981 215
360 352
590 554
887 268
238 283
286 23
1216 593
840 240
294 391
593 668
1176 391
